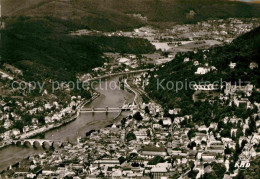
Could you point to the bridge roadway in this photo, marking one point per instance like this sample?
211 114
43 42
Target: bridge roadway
107 109
41 142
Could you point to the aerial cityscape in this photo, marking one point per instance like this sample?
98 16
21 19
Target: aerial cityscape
160 89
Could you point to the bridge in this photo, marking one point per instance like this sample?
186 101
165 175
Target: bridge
41 142
115 74
105 110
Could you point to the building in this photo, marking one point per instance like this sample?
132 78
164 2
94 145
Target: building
159 172
150 151
253 65
13 69
206 87
202 71
232 65
106 162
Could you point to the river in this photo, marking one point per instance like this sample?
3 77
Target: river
109 96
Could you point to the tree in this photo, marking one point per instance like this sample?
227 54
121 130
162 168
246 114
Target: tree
211 175
193 173
191 164
191 145
121 159
41 119
191 133
135 164
225 133
161 122
244 142
227 150
123 121
207 122
2 129
19 125
220 125
252 125
27 119
137 116
146 109
148 132
130 136
239 133
219 169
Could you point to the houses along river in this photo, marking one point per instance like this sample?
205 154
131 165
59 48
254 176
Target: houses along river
110 96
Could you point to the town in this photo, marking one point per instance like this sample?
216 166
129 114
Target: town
148 144
152 141
56 110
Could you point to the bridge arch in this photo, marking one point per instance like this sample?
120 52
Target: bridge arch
46 145
27 143
18 143
36 143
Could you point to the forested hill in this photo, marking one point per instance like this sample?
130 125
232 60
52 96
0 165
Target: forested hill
243 51
254 34
111 15
43 48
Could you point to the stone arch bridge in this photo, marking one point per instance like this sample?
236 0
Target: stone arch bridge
41 142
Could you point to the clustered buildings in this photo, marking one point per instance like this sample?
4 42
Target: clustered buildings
147 144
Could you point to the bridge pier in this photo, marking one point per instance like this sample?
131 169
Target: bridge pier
106 110
93 110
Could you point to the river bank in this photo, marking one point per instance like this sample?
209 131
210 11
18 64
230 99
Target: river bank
49 127
76 128
64 122
45 129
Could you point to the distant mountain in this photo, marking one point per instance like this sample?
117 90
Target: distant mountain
118 14
88 13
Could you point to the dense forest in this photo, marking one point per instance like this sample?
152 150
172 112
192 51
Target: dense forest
121 44
111 15
43 48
